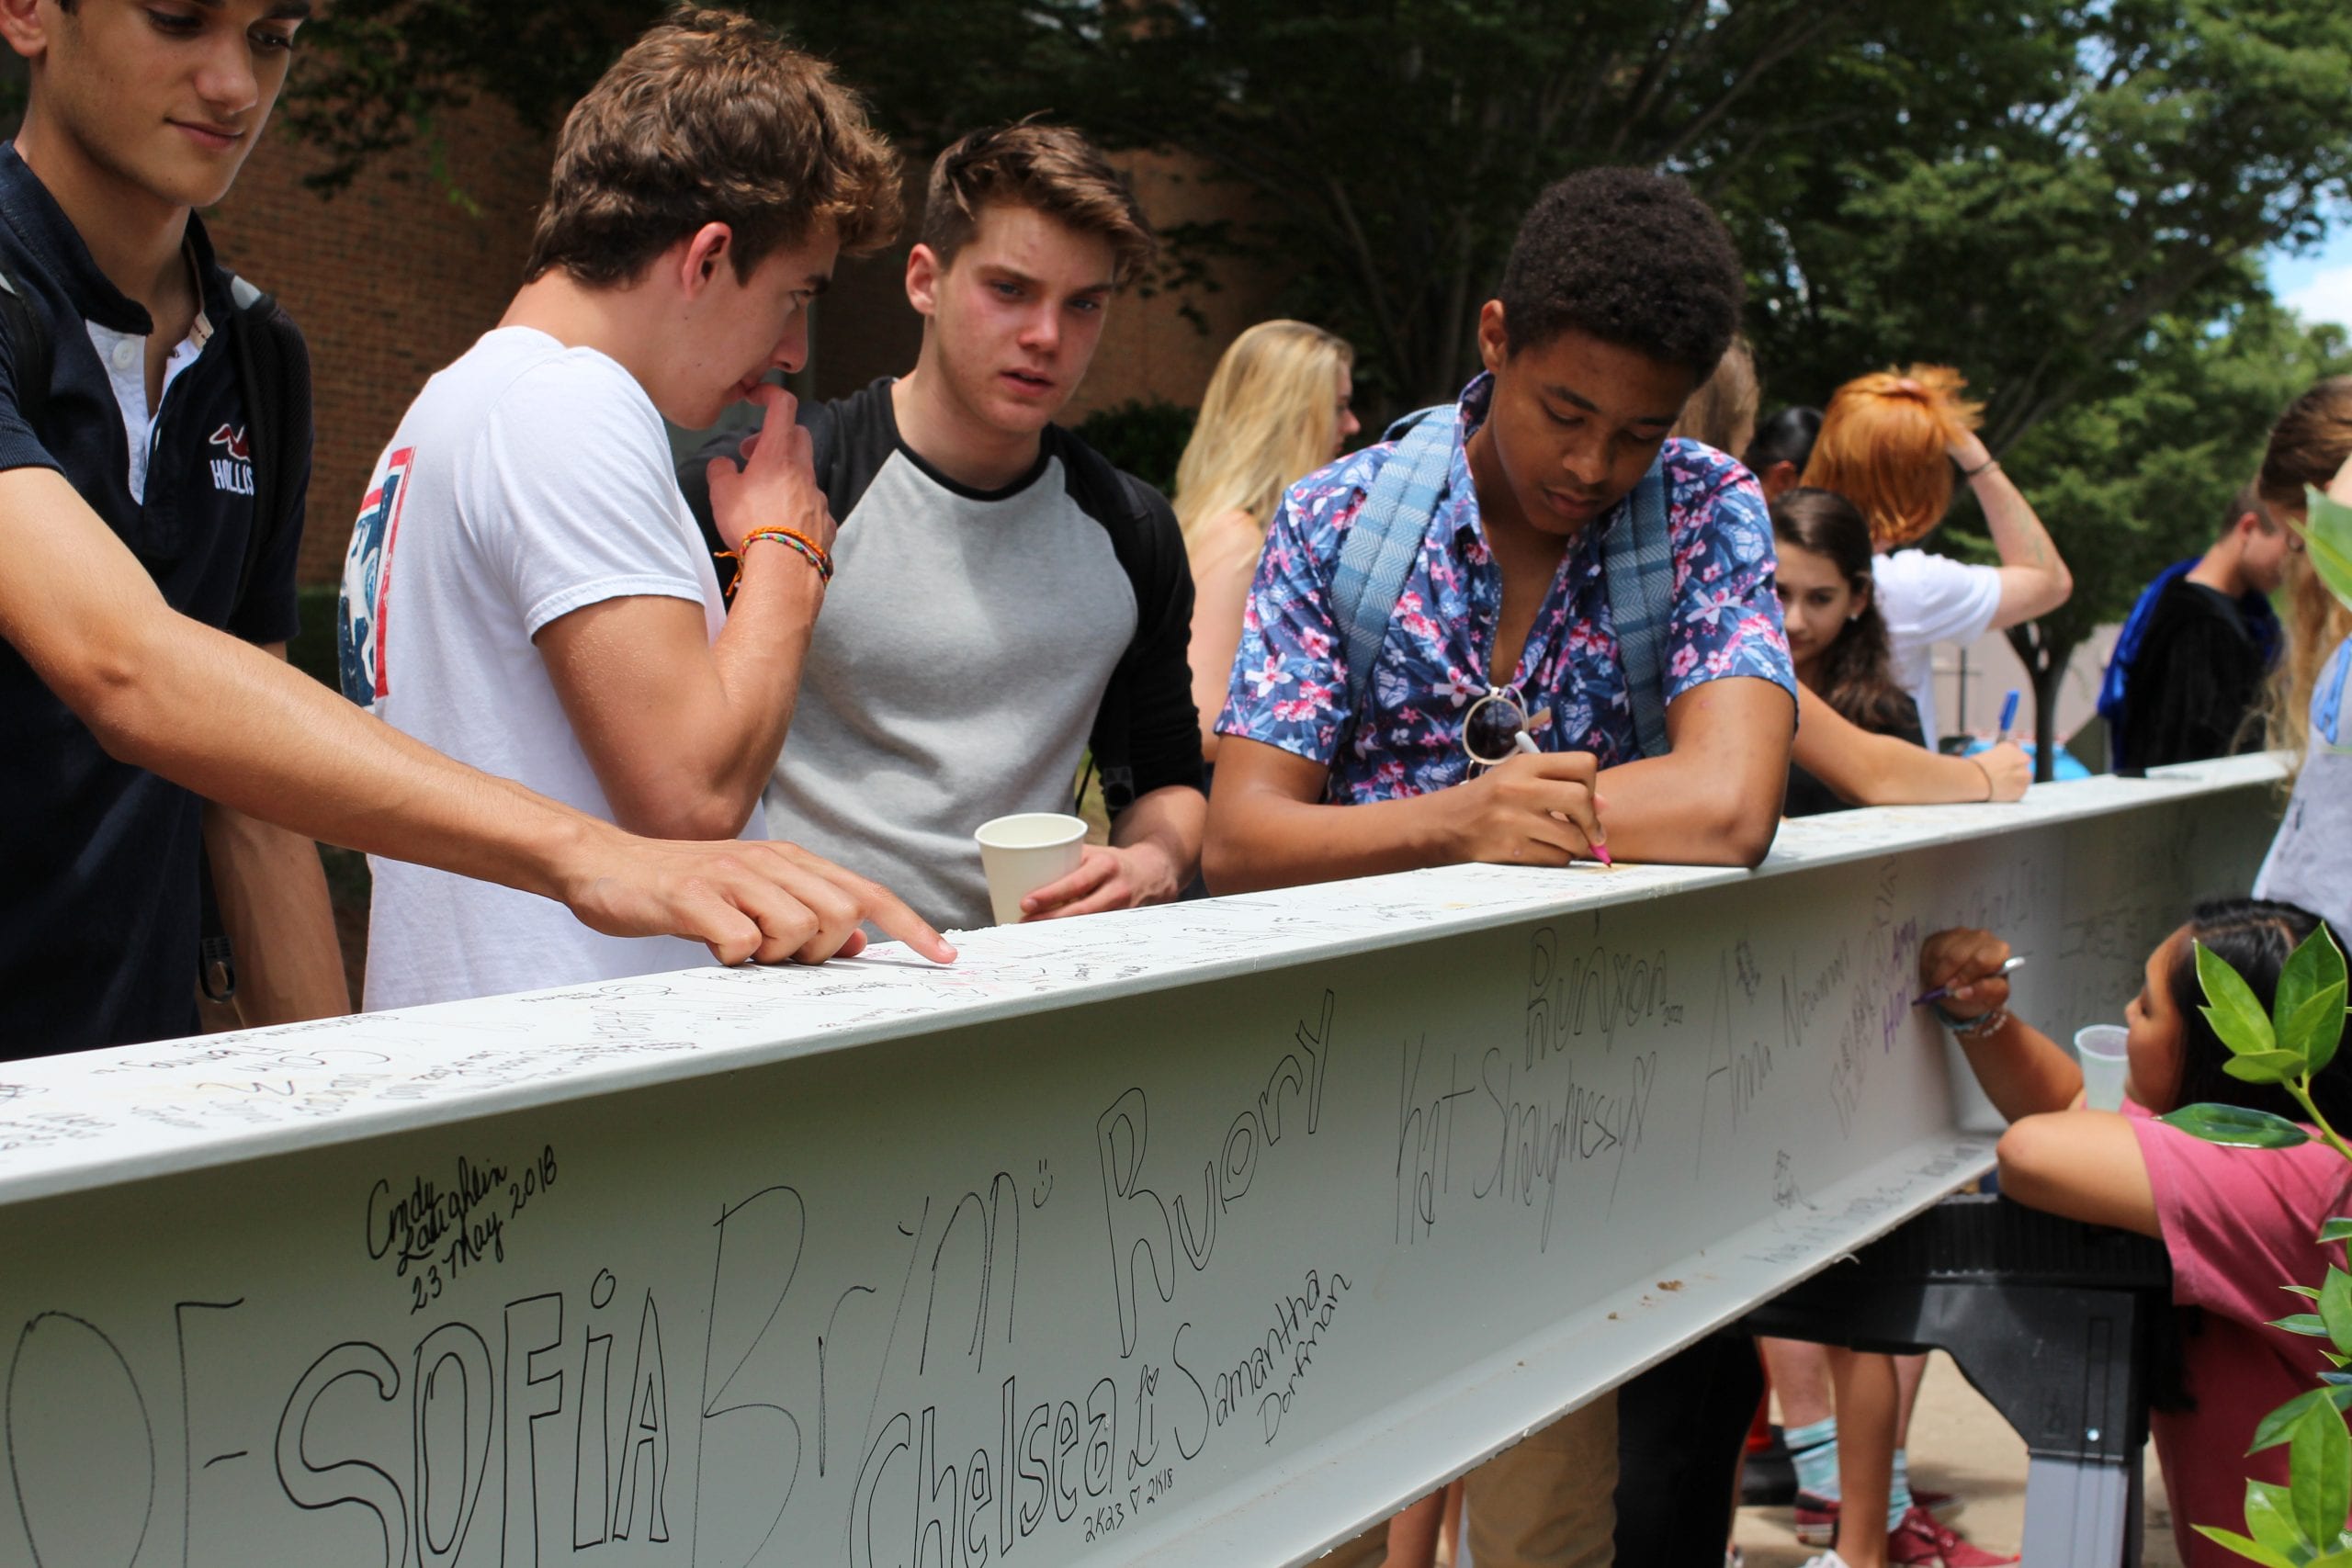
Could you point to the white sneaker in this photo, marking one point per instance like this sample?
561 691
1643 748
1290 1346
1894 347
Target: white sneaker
1826 1560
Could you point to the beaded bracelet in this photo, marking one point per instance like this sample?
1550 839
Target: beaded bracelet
801 545
1972 1028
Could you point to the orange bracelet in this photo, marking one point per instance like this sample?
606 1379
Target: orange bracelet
800 544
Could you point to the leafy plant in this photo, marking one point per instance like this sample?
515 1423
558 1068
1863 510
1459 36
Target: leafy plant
2300 1525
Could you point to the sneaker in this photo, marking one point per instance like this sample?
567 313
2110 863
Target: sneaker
1920 1539
1816 1519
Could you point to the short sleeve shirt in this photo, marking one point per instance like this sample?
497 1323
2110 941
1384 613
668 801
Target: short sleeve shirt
1926 600
2239 1225
1289 686
528 480
99 923
2311 860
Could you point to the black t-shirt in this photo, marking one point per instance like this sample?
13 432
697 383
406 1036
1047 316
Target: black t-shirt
2199 674
98 922
1808 796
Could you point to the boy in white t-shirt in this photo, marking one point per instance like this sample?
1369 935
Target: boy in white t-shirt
1887 444
525 589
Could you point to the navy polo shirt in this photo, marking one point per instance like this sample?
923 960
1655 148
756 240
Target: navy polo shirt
98 911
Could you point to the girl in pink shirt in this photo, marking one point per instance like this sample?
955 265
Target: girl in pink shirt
2239 1222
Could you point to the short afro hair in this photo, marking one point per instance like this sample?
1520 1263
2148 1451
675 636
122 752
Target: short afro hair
1631 257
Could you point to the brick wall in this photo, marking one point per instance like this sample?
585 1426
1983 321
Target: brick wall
392 278
391 281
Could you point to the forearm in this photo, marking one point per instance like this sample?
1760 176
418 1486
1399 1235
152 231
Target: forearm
299 756
1259 838
758 659
273 905
2036 579
1168 824
1689 810
1863 769
2023 1071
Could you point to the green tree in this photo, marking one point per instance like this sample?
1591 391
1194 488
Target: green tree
2062 197
2137 473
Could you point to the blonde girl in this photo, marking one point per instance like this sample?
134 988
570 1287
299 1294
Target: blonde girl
1276 410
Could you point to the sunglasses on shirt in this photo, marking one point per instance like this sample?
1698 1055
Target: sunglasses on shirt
1490 731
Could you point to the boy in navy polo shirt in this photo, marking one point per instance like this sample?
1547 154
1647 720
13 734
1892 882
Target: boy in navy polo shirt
125 514
1504 636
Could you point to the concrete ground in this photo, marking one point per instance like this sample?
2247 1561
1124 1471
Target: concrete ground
1959 1444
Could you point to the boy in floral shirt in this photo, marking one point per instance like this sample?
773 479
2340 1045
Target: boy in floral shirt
1621 293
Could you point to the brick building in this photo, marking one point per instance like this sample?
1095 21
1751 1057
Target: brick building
394 277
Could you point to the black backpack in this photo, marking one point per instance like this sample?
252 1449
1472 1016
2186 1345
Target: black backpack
274 375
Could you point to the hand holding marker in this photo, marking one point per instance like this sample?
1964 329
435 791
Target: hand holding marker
1526 743
2008 967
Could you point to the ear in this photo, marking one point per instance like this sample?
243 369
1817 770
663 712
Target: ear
924 272
1862 600
1494 341
699 257
22 26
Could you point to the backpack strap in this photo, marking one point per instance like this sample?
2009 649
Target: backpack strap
1381 545
1637 563
30 354
1122 503
274 373
274 378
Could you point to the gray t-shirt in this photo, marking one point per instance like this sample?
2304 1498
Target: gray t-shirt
2310 862
971 646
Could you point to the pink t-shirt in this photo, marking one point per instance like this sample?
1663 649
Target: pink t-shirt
2239 1225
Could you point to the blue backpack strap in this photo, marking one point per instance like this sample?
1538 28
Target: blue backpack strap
1637 563
2117 680
1380 544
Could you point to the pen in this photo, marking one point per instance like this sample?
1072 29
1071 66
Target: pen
1526 743
2009 713
1941 992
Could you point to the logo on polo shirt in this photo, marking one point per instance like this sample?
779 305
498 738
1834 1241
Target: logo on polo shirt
232 475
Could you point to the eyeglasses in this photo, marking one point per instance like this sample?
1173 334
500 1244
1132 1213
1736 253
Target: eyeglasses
1490 731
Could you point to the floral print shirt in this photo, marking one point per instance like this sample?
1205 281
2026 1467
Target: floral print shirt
1289 687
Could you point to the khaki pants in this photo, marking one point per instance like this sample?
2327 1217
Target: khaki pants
1546 1502
1551 1501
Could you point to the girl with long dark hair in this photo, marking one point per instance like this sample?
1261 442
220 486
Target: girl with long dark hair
2240 1224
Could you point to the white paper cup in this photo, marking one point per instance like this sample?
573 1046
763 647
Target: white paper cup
2102 1048
1024 852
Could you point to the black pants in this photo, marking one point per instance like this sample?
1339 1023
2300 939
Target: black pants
1681 1427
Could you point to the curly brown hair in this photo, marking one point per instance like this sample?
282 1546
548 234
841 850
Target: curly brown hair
712 118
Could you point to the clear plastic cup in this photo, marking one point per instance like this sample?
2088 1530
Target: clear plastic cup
1023 852
2102 1048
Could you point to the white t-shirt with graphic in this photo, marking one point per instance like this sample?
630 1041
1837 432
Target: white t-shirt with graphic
526 481
1926 600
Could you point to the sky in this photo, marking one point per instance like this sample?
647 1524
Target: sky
2318 286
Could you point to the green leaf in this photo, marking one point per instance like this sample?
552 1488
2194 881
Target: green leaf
2230 1006
2315 963
2252 1551
2327 533
2237 1127
2319 1470
2266 1067
2303 1322
2335 1307
2315 1029
2310 1293
2279 1425
2338 1229
2270 1520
